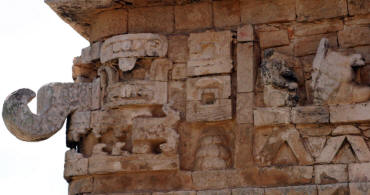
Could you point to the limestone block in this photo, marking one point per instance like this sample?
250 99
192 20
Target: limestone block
274 97
107 24
310 114
360 148
356 7
333 144
315 28
159 69
257 12
177 96
332 189
179 71
176 193
246 67
245 33
243 147
193 16
248 191
215 179
104 164
315 145
134 45
359 188
96 94
209 53
244 107
326 174
273 38
350 113
221 109
345 130
354 35
294 190
83 73
308 45
359 172
81 185
89 54
151 20
364 74
271 116
178 50
226 13
314 129
75 164
79 124
136 92
198 88
312 10
214 192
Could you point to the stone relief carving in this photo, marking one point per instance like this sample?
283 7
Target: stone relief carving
333 77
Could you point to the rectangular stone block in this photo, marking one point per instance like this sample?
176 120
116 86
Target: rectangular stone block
315 28
359 188
89 54
326 174
309 10
218 86
221 109
214 192
357 7
350 113
75 164
333 189
81 185
293 190
308 45
177 96
243 147
257 12
215 179
96 94
245 33
209 53
310 114
246 67
108 23
271 116
248 191
175 193
359 172
244 107
193 16
178 50
226 13
179 71
151 20
354 35
273 38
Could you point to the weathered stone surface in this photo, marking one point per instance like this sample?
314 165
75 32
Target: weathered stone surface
79 125
308 44
133 45
215 179
159 69
333 189
248 191
75 164
308 10
246 67
271 116
151 20
256 12
360 148
176 193
104 164
345 130
359 188
107 24
359 172
295 190
332 146
81 185
315 28
273 38
358 7
179 71
332 77
244 107
315 145
193 16
209 53
310 114
89 54
314 129
220 110
219 86
214 192
354 35
325 174
178 50
350 113
245 33
226 13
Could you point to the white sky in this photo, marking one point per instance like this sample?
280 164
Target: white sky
36 48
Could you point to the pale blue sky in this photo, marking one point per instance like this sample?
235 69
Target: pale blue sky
36 48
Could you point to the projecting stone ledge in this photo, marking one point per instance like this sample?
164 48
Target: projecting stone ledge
350 113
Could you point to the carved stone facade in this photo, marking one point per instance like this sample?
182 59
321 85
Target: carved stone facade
211 97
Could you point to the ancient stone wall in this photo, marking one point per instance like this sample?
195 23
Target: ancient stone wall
221 97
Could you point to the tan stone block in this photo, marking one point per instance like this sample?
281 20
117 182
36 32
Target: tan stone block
244 107
314 129
271 116
293 190
245 33
89 54
216 179
308 10
354 35
220 110
310 114
326 174
81 185
177 96
96 94
359 188
214 192
345 130
323 27
257 12
365 53
359 172
85 71
220 86
151 20
193 16
248 191
333 189
107 24
209 53
179 71
175 193
273 38
75 164
315 145
178 50
243 147
246 67
308 45
360 147
350 113
330 150
356 7
159 69
79 124
226 13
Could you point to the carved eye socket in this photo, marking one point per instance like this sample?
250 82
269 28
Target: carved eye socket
208 98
